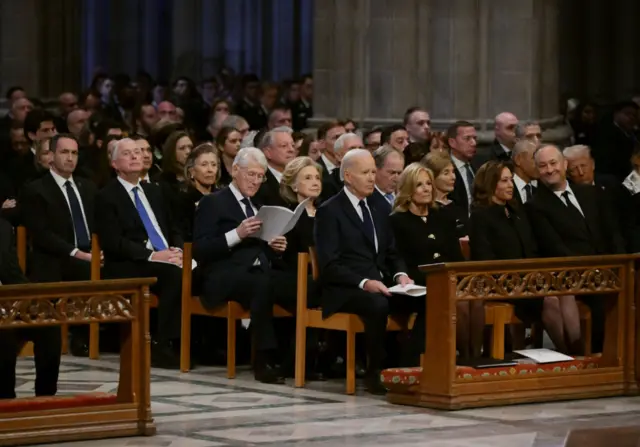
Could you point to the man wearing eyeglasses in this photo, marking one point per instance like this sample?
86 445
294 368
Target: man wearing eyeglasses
236 266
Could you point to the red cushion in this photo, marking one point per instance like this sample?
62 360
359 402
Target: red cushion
402 378
56 402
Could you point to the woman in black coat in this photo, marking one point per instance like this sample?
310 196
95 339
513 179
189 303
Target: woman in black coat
499 229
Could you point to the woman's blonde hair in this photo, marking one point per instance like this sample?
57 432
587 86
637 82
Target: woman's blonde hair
290 174
40 146
437 162
407 186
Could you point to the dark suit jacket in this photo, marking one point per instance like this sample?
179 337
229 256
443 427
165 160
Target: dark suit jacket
253 113
493 152
300 113
429 242
559 233
493 235
459 193
47 216
380 202
10 272
269 192
346 256
606 182
220 265
123 237
331 183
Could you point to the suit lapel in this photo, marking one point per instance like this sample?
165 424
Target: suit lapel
234 206
354 217
156 207
87 203
460 191
590 214
54 194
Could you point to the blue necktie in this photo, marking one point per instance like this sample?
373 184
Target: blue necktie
389 198
155 238
82 235
367 222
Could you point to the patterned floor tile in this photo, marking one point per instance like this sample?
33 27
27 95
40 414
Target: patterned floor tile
237 400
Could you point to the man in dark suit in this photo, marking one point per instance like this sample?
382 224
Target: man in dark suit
505 132
236 266
277 146
328 134
525 174
302 109
47 340
249 107
140 239
581 169
358 258
463 139
389 166
334 182
572 220
58 211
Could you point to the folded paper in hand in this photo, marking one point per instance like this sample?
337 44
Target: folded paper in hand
277 220
409 290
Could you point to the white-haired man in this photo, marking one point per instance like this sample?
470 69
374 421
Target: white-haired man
235 265
278 148
139 239
358 259
345 142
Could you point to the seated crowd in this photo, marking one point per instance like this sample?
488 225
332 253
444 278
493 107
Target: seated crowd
376 208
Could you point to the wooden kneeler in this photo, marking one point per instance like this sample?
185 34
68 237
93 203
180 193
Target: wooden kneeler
231 311
312 318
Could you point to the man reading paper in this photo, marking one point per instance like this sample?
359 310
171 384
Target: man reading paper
236 266
358 261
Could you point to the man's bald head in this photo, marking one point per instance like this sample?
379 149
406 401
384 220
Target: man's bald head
67 102
505 129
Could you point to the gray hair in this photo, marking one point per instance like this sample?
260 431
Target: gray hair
349 158
523 146
380 155
116 147
267 139
521 128
233 121
576 151
249 154
342 139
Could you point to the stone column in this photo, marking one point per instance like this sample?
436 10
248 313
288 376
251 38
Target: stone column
187 39
460 59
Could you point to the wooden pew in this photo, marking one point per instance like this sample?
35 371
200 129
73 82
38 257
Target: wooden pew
441 385
64 418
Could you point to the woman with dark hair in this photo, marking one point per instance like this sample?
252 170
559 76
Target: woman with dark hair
175 152
221 106
499 230
585 124
228 144
310 147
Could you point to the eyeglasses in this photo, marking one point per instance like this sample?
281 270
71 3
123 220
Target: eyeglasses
251 175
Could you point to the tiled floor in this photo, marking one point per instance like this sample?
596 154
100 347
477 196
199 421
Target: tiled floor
204 409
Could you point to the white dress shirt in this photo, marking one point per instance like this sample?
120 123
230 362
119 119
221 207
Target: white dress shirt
356 204
505 148
384 194
147 206
462 168
232 237
572 198
277 174
60 181
521 184
330 166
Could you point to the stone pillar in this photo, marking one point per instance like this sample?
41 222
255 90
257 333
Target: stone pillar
460 59
187 38
19 45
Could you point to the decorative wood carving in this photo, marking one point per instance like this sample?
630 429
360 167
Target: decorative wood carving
540 283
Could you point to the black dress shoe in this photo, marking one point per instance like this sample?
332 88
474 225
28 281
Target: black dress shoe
268 374
78 345
164 356
374 385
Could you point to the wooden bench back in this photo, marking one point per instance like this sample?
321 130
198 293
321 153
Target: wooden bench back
21 247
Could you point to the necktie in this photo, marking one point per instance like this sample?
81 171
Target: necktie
528 192
570 205
470 176
389 198
367 222
248 209
156 239
82 235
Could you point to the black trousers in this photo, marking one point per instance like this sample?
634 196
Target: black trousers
168 289
47 345
374 309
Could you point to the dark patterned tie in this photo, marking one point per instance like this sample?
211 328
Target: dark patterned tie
82 235
367 222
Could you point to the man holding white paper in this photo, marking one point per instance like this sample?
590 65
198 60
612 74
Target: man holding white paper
358 259
236 266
